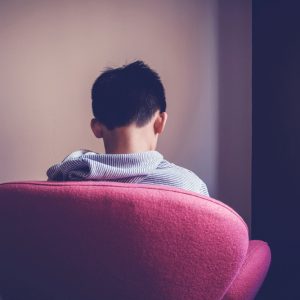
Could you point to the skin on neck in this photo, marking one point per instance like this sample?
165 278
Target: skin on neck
131 139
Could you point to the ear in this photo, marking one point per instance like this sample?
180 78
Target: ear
96 127
160 123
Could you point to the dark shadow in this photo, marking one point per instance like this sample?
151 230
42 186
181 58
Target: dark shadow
276 144
234 106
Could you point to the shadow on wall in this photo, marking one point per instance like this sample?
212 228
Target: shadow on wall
234 83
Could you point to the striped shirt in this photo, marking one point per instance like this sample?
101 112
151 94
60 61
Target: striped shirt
144 167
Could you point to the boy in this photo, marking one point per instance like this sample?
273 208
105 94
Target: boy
129 110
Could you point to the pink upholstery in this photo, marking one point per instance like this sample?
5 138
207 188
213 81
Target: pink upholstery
252 273
97 240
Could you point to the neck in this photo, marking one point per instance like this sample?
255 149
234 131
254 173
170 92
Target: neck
127 140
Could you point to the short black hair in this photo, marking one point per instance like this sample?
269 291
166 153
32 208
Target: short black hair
126 95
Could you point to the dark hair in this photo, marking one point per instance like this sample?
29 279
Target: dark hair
129 94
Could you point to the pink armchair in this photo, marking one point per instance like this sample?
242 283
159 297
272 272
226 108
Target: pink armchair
106 240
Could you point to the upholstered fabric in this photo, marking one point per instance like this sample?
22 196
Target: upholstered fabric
100 240
252 273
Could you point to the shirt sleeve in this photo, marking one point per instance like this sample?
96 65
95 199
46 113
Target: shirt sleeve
198 185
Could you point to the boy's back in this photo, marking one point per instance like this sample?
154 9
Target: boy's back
144 167
129 107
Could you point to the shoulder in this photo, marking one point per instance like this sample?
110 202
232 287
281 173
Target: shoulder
181 177
198 185
77 154
72 162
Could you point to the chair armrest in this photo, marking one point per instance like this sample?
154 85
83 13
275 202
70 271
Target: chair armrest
252 273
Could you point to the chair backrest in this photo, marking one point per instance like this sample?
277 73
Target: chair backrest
105 240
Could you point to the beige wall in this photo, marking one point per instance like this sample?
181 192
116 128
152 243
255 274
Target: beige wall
52 51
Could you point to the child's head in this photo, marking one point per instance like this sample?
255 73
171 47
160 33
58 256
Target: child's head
129 108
